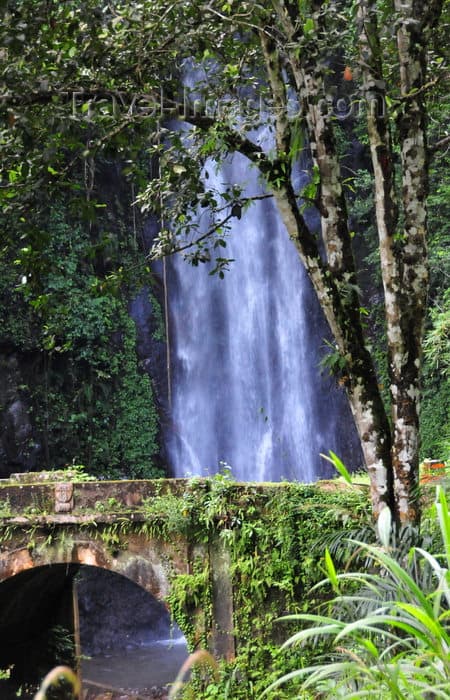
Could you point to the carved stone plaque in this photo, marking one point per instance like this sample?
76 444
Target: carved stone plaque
63 497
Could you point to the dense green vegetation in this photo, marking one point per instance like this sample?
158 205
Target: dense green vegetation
91 403
377 624
388 624
276 541
435 419
89 86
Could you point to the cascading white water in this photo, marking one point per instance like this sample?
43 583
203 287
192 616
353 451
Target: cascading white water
246 387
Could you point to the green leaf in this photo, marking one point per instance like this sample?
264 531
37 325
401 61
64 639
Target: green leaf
331 571
444 520
308 27
338 465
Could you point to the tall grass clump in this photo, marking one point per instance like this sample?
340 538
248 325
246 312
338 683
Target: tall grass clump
387 631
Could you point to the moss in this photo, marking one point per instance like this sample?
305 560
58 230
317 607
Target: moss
274 536
76 346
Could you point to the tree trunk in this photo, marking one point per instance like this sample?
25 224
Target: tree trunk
414 24
334 278
359 377
403 254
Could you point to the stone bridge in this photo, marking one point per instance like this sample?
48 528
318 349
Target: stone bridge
51 524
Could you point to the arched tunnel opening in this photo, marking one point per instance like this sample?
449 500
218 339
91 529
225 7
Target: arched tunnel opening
113 632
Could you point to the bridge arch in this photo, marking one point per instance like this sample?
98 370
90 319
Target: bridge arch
114 612
52 521
148 563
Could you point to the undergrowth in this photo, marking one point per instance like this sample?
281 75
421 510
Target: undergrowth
275 537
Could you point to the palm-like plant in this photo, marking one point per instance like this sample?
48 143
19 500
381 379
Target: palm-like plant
400 647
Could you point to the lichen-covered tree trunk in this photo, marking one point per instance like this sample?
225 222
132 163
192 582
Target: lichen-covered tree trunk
391 456
415 22
334 278
407 332
402 251
359 376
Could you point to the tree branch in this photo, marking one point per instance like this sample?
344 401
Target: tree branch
156 255
439 144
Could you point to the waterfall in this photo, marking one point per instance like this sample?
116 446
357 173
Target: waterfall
247 390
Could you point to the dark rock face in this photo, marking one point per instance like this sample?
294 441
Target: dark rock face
152 352
115 613
19 449
35 626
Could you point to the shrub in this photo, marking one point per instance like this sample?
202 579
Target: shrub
398 646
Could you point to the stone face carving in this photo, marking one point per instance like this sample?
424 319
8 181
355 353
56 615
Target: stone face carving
63 497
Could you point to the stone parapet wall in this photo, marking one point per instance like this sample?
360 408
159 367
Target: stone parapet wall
34 494
43 491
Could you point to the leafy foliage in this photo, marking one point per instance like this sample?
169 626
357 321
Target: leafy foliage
436 404
88 83
437 342
398 647
275 539
92 404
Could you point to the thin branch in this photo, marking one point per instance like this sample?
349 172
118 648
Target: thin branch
439 144
185 246
243 18
426 86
